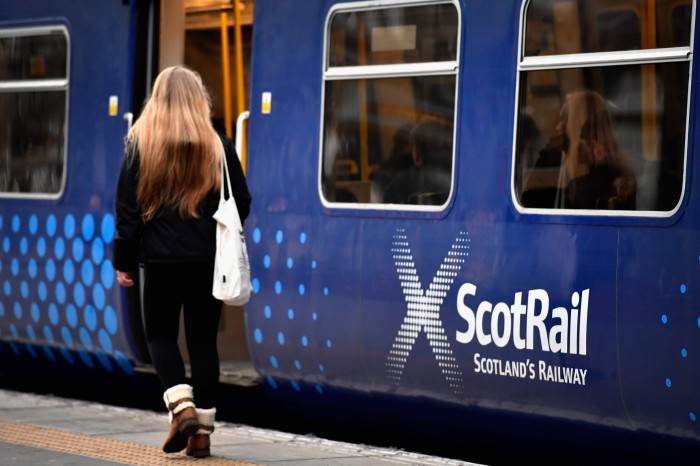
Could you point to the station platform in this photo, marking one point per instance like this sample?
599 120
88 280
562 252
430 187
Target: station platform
45 429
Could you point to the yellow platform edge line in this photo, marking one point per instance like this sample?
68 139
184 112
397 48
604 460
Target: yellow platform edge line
92 446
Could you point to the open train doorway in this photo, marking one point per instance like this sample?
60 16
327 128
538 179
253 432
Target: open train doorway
213 38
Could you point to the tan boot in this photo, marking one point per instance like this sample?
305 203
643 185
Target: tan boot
182 416
198 446
199 443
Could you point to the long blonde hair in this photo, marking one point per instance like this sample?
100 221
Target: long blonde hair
179 149
588 120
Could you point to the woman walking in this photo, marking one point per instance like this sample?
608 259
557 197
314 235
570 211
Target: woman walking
167 192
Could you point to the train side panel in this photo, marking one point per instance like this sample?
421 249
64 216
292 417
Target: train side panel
478 304
61 303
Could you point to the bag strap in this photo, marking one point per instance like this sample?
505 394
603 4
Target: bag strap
224 174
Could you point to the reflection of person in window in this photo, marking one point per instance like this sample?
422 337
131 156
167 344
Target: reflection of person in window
593 172
400 159
427 180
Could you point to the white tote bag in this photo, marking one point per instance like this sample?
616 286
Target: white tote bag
231 268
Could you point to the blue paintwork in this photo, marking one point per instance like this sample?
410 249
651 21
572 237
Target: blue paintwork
72 308
643 328
328 301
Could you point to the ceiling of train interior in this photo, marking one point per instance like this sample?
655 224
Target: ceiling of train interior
206 14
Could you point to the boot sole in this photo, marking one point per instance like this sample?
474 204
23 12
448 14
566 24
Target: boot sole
178 442
201 453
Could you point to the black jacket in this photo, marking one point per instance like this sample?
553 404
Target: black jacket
167 237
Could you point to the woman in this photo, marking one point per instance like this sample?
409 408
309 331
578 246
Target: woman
427 180
600 174
166 196
583 166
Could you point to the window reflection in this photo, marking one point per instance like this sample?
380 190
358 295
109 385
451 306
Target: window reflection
32 144
374 148
30 57
563 140
394 35
395 111
33 68
556 27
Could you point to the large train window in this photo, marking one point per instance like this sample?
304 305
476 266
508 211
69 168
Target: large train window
603 104
33 84
389 105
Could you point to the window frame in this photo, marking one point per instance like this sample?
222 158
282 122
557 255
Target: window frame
591 60
42 85
403 70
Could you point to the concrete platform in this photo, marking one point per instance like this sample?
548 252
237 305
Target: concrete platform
42 429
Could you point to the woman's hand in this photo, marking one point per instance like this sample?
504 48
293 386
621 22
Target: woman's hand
124 279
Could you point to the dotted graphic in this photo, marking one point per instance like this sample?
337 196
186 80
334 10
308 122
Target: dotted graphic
54 278
423 309
275 325
683 351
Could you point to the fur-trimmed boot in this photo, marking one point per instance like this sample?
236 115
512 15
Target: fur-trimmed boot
182 416
199 443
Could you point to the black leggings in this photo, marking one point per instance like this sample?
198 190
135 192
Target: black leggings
167 289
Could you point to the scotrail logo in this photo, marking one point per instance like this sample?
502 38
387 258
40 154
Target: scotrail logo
531 322
423 309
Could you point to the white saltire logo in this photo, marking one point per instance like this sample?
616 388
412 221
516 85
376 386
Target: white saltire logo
423 309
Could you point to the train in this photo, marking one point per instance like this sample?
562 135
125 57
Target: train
478 218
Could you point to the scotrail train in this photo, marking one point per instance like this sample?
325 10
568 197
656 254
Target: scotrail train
480 215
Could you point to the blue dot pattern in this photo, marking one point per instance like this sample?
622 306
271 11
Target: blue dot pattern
56 281
283 259
682 351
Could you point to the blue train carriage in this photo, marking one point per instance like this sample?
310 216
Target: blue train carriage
438 218
545 265
69 77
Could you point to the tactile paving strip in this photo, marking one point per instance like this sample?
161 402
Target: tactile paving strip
97 447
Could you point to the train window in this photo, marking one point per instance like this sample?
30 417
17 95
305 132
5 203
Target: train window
389 106
33 84
603 102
